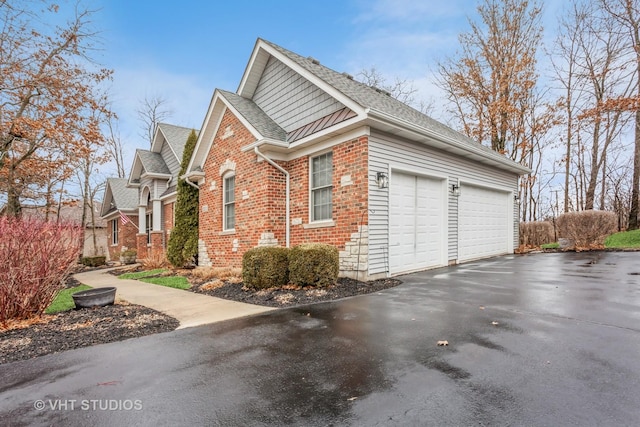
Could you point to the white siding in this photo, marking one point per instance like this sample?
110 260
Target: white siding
289 99
388 152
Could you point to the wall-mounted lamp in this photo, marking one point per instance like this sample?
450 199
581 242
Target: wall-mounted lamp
455 189
383 180
516 198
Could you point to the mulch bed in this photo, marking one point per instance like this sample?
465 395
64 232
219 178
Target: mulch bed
293 295
82 328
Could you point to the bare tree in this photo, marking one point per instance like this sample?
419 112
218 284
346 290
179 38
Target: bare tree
401 89
626 14
114 147
153 110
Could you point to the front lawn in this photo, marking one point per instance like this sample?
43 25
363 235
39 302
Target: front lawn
64 301
177 282
625 239
140 274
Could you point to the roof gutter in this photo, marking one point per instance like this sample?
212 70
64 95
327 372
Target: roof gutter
186 177
287 191
513 166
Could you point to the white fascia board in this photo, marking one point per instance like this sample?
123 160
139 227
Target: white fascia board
136 170
261 45
474 152
207 132
276 152
156 175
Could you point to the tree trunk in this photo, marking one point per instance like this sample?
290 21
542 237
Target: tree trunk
633 212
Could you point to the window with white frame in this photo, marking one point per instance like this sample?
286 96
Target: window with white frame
114 231
321 187
149 226
229 202
148 217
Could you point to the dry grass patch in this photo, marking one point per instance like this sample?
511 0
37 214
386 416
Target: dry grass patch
222 273
285 298
214 284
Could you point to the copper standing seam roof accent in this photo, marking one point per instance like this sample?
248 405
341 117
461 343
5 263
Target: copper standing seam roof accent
320 124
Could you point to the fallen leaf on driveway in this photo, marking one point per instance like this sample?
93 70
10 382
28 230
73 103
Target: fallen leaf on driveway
442 343
482 307
352 398
495 323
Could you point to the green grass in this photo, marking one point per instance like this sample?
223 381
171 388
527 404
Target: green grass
177 282
625 239
63 301
554 245
141 274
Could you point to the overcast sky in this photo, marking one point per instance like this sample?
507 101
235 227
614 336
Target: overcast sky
183 50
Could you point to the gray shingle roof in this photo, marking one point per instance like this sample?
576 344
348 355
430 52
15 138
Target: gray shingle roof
369 97
176 137
254 115
124 198
153 162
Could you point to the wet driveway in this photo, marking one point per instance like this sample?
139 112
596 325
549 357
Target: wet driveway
537 340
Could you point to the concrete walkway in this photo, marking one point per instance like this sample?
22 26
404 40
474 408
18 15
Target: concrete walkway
189 308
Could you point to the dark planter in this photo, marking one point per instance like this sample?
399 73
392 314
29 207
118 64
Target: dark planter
94 297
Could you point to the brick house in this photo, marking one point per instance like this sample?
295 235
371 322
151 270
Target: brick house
118 198
302 153
148 196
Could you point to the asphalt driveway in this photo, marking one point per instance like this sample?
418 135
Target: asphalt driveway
537 340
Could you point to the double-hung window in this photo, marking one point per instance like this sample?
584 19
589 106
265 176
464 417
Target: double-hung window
149 226
321 187
229 203
114 231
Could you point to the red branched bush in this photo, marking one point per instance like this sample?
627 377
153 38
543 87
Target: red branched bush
587 229
35 257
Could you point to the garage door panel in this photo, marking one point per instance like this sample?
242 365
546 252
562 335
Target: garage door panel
416 223
484 222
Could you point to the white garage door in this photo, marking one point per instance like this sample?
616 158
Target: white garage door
485 227
416 223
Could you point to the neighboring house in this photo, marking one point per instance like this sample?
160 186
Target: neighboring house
301 153
95 241
120 212
150 192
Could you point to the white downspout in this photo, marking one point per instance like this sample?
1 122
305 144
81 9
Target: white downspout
193 184
287 204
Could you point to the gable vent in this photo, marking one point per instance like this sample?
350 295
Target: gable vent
313 60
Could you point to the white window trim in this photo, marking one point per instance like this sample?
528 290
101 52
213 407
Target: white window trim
148 223
115 231
225 177
326 221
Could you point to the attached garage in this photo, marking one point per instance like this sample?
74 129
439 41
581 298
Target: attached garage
485 221
417 226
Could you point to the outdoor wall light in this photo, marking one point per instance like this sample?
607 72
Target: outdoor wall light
516 198
383 180
455 189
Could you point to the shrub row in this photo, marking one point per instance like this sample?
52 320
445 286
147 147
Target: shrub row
311 264
587 229
94 261
536 233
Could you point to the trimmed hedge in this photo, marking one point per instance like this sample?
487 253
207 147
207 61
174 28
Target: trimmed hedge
93 261
265 267
536 233
587 229
314 264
